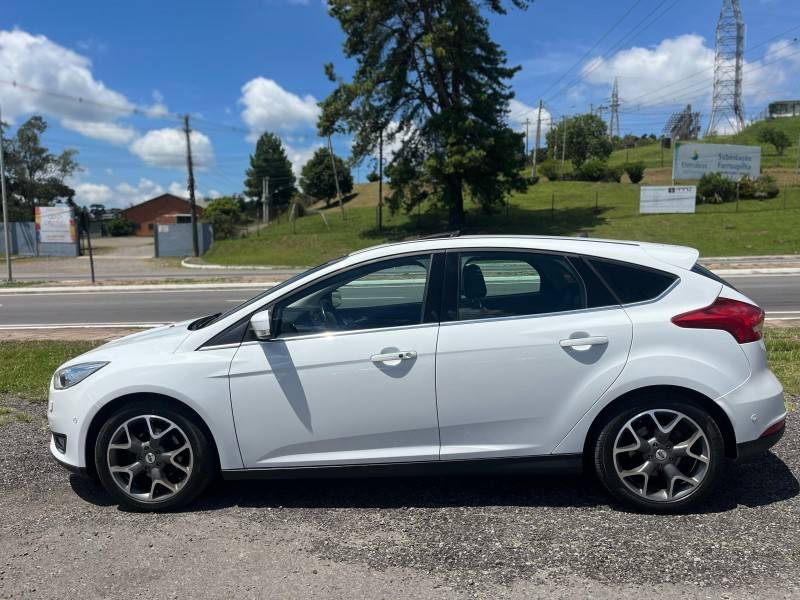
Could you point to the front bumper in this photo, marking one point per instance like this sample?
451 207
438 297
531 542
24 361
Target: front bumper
82 471
68 415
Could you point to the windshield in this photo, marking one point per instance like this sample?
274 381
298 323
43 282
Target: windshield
206 321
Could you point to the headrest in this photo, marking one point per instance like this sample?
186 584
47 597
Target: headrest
473 284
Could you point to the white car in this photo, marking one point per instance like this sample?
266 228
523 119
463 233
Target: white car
498 354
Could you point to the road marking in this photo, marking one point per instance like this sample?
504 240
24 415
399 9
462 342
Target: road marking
83 326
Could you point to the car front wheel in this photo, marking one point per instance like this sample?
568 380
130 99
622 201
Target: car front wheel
150 456
663 456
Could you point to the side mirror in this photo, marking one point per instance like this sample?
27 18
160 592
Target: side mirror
260 322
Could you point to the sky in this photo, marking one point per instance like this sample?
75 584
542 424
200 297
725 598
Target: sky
242 67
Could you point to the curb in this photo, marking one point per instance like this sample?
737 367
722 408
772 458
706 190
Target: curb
189 265
171 287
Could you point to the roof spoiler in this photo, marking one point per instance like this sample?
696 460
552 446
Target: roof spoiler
678 256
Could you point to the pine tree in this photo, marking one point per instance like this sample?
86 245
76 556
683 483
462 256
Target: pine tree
429 76
317 178
270 160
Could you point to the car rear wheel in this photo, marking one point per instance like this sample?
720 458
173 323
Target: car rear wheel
661 456
150 456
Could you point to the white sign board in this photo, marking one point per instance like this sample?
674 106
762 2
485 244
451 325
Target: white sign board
55 224
667 199
692 160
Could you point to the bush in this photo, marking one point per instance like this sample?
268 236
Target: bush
747 187
225 215
635 171
532 180
614 173
373 176
715 188
550 169
766 187
119 227
594 169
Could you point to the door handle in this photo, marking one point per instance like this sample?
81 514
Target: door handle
583 343
393 356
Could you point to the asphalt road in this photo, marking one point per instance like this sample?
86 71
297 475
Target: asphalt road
779 295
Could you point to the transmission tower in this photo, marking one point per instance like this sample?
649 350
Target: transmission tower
727 111
613 123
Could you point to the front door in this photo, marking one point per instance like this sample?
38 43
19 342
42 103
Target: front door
349 377
529 347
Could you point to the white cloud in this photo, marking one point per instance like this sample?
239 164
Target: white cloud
518 112
36 63
120 196
680 70
178 189
108 131
167 148
269 107
299 156
212 193
158 108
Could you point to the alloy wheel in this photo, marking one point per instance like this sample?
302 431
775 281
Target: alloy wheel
150 458
662 455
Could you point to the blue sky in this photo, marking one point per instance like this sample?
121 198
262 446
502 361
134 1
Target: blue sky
244 66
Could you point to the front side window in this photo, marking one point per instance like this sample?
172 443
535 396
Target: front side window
506 284
389 293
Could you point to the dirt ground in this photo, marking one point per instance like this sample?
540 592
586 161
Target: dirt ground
486 537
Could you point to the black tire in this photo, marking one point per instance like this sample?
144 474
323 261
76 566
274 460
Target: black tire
612 431
202 468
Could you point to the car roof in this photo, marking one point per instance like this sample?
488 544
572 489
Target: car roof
625 250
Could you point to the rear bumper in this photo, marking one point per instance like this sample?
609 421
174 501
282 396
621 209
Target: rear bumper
758 446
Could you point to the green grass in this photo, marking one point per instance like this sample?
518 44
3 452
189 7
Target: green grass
783 349
716 230
26 367
9 415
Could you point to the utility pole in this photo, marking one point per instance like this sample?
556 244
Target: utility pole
538 133
380 181
190 168
564 147
6 226
335 175
265 200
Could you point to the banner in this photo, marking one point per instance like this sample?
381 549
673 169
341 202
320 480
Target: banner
55 224
667 199
692 160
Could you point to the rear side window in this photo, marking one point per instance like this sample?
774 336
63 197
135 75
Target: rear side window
632 283
597 293
701 270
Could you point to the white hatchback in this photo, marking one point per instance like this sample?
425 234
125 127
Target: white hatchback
498 354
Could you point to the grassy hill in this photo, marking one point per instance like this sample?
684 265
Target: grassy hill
651 155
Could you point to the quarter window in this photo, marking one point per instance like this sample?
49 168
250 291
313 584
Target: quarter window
504 284
632 283
384 294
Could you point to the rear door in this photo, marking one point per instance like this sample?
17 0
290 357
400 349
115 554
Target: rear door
530 341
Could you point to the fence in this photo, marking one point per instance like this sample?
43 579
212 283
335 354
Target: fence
24 243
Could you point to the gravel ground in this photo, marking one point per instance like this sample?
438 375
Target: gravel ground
424 538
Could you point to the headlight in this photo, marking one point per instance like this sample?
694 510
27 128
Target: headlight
74 374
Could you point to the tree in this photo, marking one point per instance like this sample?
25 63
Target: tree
587 136
776 137
270 160
34 175
429 77
317 177
373 176
225 214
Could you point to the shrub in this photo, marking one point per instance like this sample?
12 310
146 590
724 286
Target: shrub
373 176
594 169
747 187
225 215
532 180
715 188
550 169
766 187
119 227
614 173
635 171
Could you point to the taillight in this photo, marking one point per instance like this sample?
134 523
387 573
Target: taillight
742 320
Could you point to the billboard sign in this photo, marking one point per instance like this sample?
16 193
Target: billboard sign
667 199
55 224
692 160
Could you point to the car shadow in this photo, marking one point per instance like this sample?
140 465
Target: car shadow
762 481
